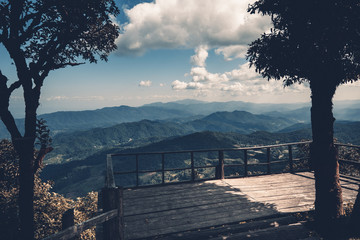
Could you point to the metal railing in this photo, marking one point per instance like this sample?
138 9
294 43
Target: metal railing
258 157
349 159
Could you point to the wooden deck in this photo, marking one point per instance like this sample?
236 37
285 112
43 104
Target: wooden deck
177 208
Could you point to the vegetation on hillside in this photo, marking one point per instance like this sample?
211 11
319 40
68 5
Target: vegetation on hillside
48 205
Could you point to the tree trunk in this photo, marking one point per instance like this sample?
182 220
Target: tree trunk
355 215
324 158
25 149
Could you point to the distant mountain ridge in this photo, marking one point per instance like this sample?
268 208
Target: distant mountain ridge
83 120
239 121
67 121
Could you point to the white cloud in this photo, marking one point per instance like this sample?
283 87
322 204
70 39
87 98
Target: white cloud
200 57
189 23
242 81
232 52
145 83
179 85
75 98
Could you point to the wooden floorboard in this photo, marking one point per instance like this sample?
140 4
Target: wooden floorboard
176 208
166 205
176 196
191 209
190 225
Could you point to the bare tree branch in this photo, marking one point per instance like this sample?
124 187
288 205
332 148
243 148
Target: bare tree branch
9 122
14 86
58 66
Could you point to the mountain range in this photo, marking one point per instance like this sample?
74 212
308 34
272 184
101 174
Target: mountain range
180 111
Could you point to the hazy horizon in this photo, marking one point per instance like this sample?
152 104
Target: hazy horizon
19 113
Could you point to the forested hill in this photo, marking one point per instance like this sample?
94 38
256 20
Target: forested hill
79 177
80 144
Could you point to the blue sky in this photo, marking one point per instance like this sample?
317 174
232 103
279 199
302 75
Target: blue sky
170 50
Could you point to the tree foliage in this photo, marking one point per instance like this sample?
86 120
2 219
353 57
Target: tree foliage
308 38
49 206
42 36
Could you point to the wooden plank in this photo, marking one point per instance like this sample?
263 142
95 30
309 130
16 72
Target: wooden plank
310 195
199 215
163 206
190 196
293 231
229 218
211 190
110 181
264 185
231 228
250 189
193 211
169 189
182 207
277 193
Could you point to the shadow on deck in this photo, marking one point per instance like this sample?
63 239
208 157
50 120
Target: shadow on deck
169 209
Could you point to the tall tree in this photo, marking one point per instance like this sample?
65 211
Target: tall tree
315 42
41 36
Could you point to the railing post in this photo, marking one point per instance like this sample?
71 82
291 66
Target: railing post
192 167
268 160
137 169
113 199
245 163
67 220
163 168
109 180
220 168
291 162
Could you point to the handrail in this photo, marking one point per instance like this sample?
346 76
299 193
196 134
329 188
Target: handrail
74 231
111 218
219 167
210 150
347 145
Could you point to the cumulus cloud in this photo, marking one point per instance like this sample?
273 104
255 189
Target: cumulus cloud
240 81
179 85
189 23
232 52
200 57
145 83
